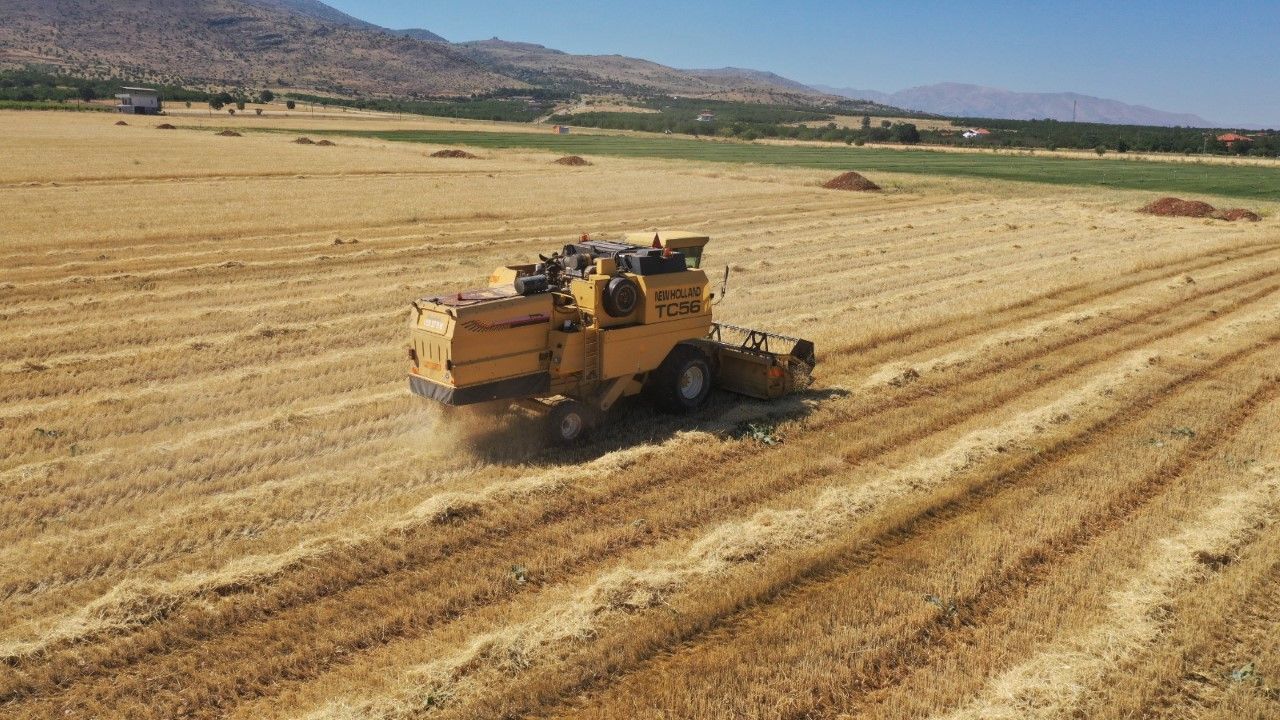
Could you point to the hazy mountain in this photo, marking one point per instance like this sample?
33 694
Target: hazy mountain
547 67
962 100
747 77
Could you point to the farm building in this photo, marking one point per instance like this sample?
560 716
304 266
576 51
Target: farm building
975 132
139 101
706 116
1230 139
562 129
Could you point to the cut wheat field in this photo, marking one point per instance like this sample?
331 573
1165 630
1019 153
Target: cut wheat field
1038 474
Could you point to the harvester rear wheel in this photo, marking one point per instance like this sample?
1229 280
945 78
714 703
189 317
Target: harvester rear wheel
568 422
682 383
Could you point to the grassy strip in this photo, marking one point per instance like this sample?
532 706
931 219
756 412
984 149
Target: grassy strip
53 105
1242 181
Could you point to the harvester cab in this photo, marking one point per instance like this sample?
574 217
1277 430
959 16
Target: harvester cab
596 321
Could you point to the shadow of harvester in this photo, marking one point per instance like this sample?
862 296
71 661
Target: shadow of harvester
496 433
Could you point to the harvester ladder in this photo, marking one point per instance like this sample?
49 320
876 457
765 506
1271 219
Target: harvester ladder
591 355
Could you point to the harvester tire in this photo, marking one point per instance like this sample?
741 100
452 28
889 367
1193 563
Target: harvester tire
621 296
682 383
569 422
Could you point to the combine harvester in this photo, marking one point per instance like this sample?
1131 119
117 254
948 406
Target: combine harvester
595 322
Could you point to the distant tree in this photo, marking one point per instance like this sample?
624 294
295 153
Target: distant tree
239 104
257 111
1101 149
885 124
266 96
1122 146
87 93
215 103
866 122
290 104
231 111
188 104
906 133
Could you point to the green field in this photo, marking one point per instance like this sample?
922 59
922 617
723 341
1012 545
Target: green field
1241 181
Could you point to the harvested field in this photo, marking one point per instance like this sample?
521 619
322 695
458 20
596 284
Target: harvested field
1038 474
461 154
850 181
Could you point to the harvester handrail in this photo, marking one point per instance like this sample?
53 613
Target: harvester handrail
753 340
715 329
758 340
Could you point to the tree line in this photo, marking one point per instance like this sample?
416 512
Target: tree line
1055 134
486 107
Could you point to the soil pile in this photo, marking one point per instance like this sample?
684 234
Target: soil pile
228 133
165 126
121 122
1237 214
574 160
1177 207
325 143
453 154
305 141
850 181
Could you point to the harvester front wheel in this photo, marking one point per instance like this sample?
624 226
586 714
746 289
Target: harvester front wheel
568 422
682 383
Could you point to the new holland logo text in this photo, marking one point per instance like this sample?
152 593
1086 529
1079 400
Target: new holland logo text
678 301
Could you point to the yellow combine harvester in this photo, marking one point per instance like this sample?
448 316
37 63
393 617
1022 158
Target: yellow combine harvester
590 324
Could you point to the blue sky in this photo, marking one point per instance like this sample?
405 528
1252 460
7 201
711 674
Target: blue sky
1219 60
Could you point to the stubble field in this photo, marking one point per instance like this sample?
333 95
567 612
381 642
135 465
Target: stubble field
1038 474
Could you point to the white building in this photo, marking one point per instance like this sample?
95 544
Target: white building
139 101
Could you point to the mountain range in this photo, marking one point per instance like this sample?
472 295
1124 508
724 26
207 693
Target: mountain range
308 45
977 101
305 44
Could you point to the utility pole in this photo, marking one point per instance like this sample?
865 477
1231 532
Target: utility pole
1073 109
